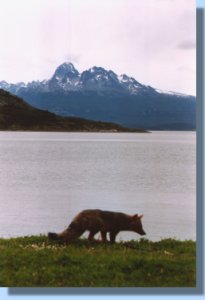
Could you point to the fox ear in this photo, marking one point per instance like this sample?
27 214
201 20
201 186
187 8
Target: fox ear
137 216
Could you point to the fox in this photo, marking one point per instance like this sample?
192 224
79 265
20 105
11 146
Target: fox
96 220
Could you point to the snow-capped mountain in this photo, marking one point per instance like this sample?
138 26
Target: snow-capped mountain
66 78
100 94
99 80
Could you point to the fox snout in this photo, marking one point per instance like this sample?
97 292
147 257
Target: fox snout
53 236
142 232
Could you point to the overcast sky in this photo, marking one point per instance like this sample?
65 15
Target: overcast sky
151 40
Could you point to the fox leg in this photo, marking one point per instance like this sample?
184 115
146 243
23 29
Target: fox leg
91 235
113 236
104 236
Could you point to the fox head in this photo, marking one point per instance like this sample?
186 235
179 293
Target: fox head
136 224
54 236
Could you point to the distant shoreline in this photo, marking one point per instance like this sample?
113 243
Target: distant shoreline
76 131
92 131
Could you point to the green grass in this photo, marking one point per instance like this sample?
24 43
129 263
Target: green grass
35 262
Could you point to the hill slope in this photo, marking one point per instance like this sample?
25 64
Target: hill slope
15 114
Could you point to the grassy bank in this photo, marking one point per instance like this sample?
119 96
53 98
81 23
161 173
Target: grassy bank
33 262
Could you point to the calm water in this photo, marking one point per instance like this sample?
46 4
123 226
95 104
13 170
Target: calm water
46 178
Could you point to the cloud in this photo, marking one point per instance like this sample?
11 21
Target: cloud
187 45
74 58
184 69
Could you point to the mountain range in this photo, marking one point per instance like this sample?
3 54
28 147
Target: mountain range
102 95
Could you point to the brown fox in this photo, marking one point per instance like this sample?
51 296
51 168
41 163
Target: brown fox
96 220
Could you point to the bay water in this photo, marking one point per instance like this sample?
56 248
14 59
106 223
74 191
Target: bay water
46 178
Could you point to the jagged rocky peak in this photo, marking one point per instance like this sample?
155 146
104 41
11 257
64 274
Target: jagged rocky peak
100 80
98 70
99 74
66 69
124 78
103 72
93 73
